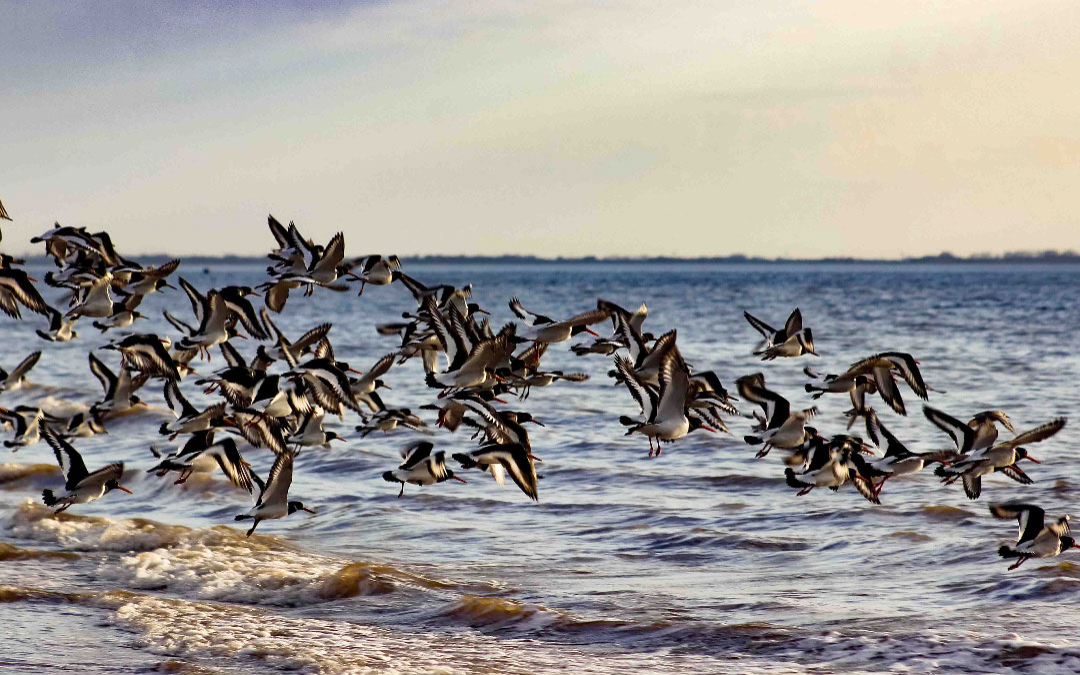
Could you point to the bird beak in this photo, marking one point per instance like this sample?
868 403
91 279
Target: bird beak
590 331
462 480
241 336
339 438
308 510
1029 457
166 284
538 423
535 458
354 370
1076 545
121 487
482 311
708 428
31 278
494 399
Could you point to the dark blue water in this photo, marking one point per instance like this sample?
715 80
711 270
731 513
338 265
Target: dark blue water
699 561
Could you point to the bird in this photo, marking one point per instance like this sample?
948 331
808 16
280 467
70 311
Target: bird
119 390
898 460
189 419
664 410
840 463
1035 538
310 433
783 428
790 341
60 328
98 302
972 466
544 329
420 467
80 485
375 270
146 353
17 288
3 212
273 500
200 454
502 459
880 368
16 379
27 423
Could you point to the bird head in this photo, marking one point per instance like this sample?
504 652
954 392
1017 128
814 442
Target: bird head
298 506
1022 453
114 485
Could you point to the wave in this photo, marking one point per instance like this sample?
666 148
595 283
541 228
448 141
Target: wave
16 476
12 552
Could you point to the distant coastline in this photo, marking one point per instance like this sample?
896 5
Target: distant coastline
1038 258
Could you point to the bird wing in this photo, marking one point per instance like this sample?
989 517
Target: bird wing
586 318
70 461
646 398
176 401
198 301
515 460
103 374
101 476
278 481
909 369
530 318
23 368
760 326
1039 433
232 356
674 384
962 435
415 454
232 464
1028 516
311 337
794 323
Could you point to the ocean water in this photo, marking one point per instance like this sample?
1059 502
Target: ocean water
699 561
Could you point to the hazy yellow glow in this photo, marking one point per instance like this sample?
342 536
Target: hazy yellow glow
618 128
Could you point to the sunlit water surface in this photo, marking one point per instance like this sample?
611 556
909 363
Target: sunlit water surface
700 561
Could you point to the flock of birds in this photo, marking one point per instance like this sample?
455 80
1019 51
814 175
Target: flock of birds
279 398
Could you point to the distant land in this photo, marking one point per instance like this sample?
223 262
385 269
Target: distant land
1038 258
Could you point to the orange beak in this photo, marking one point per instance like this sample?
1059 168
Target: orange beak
462 480
590 331
121 487
708 428
1029 457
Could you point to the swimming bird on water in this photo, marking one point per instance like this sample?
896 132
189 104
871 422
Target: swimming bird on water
80 486
1036 538
16 379
273 501
420 467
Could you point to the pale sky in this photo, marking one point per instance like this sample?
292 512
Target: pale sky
799 129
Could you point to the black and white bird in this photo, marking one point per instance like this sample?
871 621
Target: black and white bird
898 460
375 270
839 464
119 390
17 288
26 420
1036 537
189 419
790 341
145 353
273 501
783 428
970 467
60 328
502 460
202 455
16 379
540 328
80 486
881 368
664 410
421 466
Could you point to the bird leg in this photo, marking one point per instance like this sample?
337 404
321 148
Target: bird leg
877 489
362 284
764 451
61 509
651 451
402 491
184 475
805 490
253 527
1018 563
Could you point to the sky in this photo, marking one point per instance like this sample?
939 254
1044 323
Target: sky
766 128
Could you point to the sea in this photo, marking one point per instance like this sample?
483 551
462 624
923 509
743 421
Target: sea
698 561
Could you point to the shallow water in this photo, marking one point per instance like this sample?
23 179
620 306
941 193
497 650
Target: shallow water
700 561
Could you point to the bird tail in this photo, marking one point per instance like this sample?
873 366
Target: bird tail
942 472
49 498
752 440
389 477
164 430
1006 552
430 380
244 518
626 421
810 388
792 481
463 459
